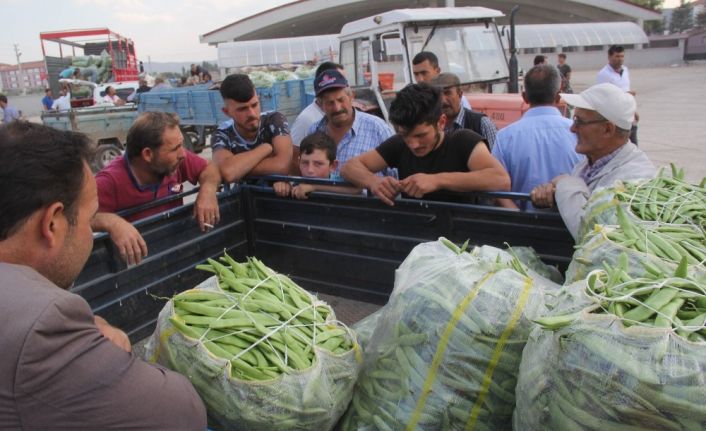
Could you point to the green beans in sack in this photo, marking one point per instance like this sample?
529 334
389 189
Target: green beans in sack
262 353
446 350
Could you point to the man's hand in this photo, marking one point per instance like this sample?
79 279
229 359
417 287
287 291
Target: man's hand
115 335
302 191
386 188
206 210
418 185
127 239
282 188
543 195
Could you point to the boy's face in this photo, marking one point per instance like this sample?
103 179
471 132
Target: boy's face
316 164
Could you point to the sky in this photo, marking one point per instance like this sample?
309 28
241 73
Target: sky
163 30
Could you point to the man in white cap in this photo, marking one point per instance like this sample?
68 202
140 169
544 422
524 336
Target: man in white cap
602 120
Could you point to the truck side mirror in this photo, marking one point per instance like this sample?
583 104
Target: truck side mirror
378 50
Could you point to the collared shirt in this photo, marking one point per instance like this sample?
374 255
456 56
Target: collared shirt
9 114
118 188
619 79
366 133
537 148
487 127
590 170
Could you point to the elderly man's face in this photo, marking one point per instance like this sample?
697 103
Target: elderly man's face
337 105
592 136
451 102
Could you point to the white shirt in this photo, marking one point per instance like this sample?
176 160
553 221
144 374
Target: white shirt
111 99
63 103
609 75
312 114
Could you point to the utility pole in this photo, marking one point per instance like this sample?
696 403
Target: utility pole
18 54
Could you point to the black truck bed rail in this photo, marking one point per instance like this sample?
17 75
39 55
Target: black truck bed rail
343 245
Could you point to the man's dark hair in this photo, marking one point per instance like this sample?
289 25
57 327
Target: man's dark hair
47 90
3 98
147 132
319 141
542 84
426 56
539 59
327 65
237 87
39 165
615 48
414 105
562 55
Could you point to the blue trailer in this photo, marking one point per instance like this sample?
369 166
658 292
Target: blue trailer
199 107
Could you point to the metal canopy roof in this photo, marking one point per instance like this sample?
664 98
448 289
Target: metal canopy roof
316 17
276 51
581 34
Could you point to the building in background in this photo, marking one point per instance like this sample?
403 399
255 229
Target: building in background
33 76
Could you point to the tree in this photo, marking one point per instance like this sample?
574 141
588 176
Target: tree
651 4
682 18
654 27
701 19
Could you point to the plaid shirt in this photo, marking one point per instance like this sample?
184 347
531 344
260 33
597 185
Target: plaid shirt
366 133
590 170
487 127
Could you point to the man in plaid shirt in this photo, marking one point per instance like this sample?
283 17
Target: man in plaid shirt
353 131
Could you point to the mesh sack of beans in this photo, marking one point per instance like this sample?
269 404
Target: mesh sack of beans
619 353
262 353
445 353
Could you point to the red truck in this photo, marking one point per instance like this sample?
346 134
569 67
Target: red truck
109 57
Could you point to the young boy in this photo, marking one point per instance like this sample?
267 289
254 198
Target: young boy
317 159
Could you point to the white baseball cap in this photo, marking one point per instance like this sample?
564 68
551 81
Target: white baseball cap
611 102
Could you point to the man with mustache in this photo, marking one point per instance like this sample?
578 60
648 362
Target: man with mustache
353 131
458 117
431 163
155 165
251 143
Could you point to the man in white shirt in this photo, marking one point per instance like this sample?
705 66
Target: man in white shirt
63 103
616 73
112 97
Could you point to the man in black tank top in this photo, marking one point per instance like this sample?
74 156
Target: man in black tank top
431 163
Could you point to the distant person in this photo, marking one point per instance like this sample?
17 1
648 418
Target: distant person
47 100
565 71
539 146
602 121
430 162
207 79
63 103
458 117
197 71
251 143
70 73
425 66
616 73
312 113
317 159
10 113
143 88
111 96
160 84
540 59
155 165
63 367
354 132
141 67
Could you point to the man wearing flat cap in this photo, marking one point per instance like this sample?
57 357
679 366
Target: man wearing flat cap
353 131
602 121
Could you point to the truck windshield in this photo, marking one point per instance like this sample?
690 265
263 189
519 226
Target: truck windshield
474 53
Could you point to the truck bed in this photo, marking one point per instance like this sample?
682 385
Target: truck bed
340 245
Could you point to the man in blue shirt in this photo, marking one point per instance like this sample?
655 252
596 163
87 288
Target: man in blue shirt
47 100
540 145
9 112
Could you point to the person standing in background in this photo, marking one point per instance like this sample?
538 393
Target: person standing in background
616 73
47 100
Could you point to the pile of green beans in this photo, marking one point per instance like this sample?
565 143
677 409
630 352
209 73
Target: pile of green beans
261 321
668 199
667 241
659 300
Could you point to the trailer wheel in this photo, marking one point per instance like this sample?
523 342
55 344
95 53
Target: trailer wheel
105 154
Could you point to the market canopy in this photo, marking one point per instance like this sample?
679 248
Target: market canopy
581 34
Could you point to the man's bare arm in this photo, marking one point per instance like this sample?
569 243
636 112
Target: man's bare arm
130 244
233 167
279 162
206 206
360 171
